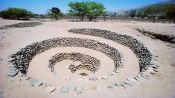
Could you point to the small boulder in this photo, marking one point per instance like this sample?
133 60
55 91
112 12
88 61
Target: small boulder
50 89
104 77
36 83
13 72
79 90
64 89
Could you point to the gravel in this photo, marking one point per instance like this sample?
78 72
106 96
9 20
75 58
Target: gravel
21 25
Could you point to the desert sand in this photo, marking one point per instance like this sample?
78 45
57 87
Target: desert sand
159 85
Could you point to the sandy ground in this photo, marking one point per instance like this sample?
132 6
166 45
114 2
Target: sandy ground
160 85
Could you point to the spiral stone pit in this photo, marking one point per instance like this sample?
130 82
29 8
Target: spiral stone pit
147 65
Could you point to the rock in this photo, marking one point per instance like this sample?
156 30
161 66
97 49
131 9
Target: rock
110 87
71 88
93 78
104 77
150 70
50 89
26 77
13 72
64 89
11 65
145 75
113 73
128 82
132 80
123 85
36 83
79 89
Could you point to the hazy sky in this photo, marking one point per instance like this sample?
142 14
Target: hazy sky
41 6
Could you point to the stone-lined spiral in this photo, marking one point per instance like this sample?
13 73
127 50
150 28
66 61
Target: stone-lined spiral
143 54
87 62
147 60
22 58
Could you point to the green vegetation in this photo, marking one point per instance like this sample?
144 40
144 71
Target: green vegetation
16 13
55 12
162 11
90 9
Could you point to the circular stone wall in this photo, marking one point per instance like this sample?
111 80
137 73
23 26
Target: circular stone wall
146 59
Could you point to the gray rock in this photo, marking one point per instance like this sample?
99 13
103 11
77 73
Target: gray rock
50 89
104 77
26 77
128 82
132 80
93 78
79 89
111 87
13 72
36 83
64 89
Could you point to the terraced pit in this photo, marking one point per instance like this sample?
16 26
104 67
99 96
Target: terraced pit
86 66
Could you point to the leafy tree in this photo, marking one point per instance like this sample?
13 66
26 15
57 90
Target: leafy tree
94 10
90 9
16 13
169 11
78 9
152 12
161 10
55 12
132 13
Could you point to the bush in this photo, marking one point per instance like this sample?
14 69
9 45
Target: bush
16 13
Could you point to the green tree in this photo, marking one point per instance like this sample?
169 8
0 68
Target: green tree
90 9
132 13
55 12
16 13
169 10
94 10
78 9
152 12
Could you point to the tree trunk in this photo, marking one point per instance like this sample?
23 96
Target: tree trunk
104 18
82 17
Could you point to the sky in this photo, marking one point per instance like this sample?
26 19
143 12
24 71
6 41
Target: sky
42 6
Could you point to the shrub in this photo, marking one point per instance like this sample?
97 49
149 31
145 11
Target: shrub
16 13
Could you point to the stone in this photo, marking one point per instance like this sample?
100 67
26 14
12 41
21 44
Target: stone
123 85
79 89
26 77
104 77
71 88
50 89
11 65
132 80
128 82
64 89
110 87
13 72
93 78
36 83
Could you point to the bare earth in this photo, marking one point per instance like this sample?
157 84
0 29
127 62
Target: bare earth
160 85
